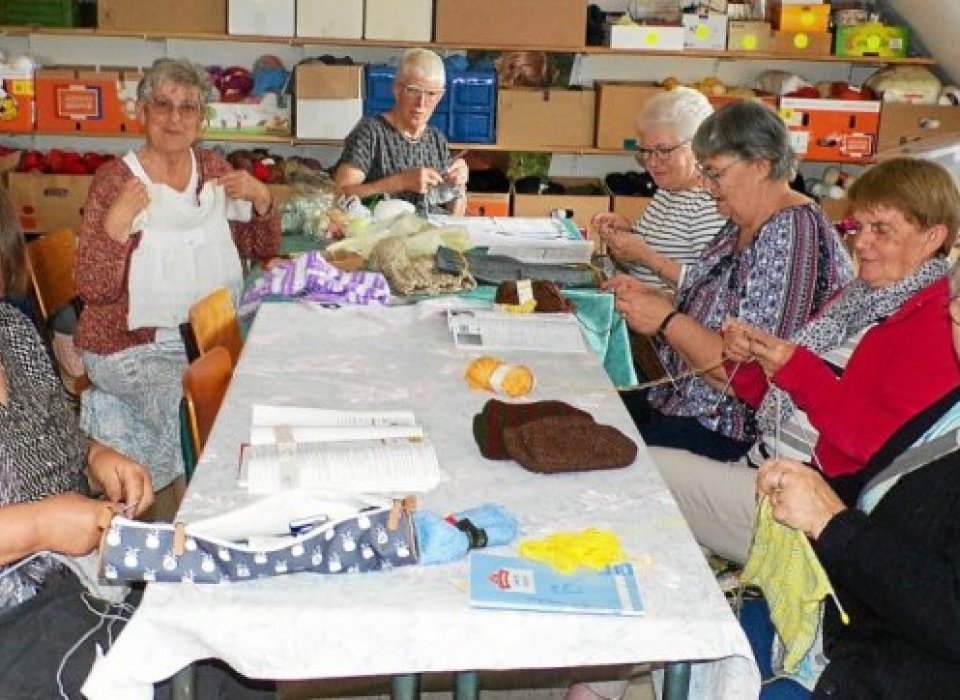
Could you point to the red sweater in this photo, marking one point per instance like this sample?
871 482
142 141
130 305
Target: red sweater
102 263
901 366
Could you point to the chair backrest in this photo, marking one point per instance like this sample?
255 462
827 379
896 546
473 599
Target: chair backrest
213 321
51 258
204 384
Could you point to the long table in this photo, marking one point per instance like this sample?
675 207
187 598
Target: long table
417 619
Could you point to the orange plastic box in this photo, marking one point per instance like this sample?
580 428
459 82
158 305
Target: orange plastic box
800 18
834 130
86 100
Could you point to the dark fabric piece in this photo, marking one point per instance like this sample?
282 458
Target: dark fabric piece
895 573
568 443
488 425
755 621
687 433
547 295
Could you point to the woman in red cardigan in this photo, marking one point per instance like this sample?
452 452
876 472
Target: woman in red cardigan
163 226
879 353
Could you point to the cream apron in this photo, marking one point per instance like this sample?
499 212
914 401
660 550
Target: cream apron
185 252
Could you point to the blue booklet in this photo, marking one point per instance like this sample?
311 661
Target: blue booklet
515 583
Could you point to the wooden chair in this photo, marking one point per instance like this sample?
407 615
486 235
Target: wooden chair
204 384
50 261
213 321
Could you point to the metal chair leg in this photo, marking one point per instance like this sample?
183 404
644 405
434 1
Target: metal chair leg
405 687
676 680
466 685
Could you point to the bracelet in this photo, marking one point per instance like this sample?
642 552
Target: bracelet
662 329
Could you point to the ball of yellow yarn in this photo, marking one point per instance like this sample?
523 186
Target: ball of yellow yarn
495 375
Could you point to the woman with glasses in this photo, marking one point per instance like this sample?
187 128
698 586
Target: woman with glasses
163 226
398 154
773 264
877 355
682 217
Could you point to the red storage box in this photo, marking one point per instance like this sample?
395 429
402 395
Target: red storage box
85 100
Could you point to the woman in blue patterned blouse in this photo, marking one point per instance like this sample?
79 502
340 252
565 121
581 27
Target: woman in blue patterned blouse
774 264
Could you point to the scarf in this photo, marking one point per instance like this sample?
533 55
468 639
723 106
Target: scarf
856 307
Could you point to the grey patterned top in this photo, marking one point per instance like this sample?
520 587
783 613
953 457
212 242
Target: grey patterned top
42 451
379 150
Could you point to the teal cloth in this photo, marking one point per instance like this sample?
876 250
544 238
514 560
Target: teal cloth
606 331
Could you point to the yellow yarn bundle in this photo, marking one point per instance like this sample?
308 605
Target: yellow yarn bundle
568 551
493 374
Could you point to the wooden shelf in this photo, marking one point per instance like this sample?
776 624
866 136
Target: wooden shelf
375 43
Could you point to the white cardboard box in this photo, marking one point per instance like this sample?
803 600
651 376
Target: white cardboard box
262 17
335 19
402 20
650 37
707 31
319 118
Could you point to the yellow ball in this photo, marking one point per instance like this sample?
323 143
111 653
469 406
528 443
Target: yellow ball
493 374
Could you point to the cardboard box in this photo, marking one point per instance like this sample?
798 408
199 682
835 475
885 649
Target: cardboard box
580 208
802 43
398 20
84 100
719 101
175 16
262 17
808 18
631 208
618 104
547 23
833 130
333 19
705 31
18 102
749 36
271 116
488 204
47 202
646 37
872 40
901 124
329 100
536 118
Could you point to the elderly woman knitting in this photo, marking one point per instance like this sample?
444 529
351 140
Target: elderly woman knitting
163 226
398 154
682 217
835 393
773 264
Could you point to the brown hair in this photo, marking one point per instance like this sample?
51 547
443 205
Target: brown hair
13 251
923 191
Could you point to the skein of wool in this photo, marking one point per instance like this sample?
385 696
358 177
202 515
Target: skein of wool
493 374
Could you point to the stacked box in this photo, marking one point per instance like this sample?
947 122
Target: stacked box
706 31
810 17
526 23
329 100
552 118
45 202
176 16
832 130
44 13
802 44
330 19
618 104
262 17
750 36
872 40
80 99
398 20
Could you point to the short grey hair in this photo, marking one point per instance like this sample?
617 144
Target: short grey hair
180 72
748 130
681 110
421 64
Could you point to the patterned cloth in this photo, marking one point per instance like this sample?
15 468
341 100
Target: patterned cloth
134 405
379 150
787 272
313 278
678 224
42 451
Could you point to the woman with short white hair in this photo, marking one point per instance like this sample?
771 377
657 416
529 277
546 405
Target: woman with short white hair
399 154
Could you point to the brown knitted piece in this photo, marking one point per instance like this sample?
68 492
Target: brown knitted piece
488 425
565 444
548 296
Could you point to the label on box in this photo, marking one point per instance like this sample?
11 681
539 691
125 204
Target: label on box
79 102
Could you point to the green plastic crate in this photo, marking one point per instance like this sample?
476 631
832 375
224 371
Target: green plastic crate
44 13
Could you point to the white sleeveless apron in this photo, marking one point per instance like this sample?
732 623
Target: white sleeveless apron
186 250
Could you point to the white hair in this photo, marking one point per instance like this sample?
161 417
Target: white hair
681 110
421 64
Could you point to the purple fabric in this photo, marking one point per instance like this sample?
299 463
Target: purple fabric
313 278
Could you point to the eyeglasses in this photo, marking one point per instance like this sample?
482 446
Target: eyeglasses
413 92
713 176
660 153
163 107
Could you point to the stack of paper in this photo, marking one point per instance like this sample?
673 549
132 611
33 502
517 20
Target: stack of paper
526 239
496 330
342 451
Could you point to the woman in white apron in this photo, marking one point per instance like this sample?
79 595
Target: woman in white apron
163 226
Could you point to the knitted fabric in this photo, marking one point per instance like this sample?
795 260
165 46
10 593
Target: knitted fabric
568 443
782 563
489 424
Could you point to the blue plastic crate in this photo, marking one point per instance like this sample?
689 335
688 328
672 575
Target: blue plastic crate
472 91
472 127
380 90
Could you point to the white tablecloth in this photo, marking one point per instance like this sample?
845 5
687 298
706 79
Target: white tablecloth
417 619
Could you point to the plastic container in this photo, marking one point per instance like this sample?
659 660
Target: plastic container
44 13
